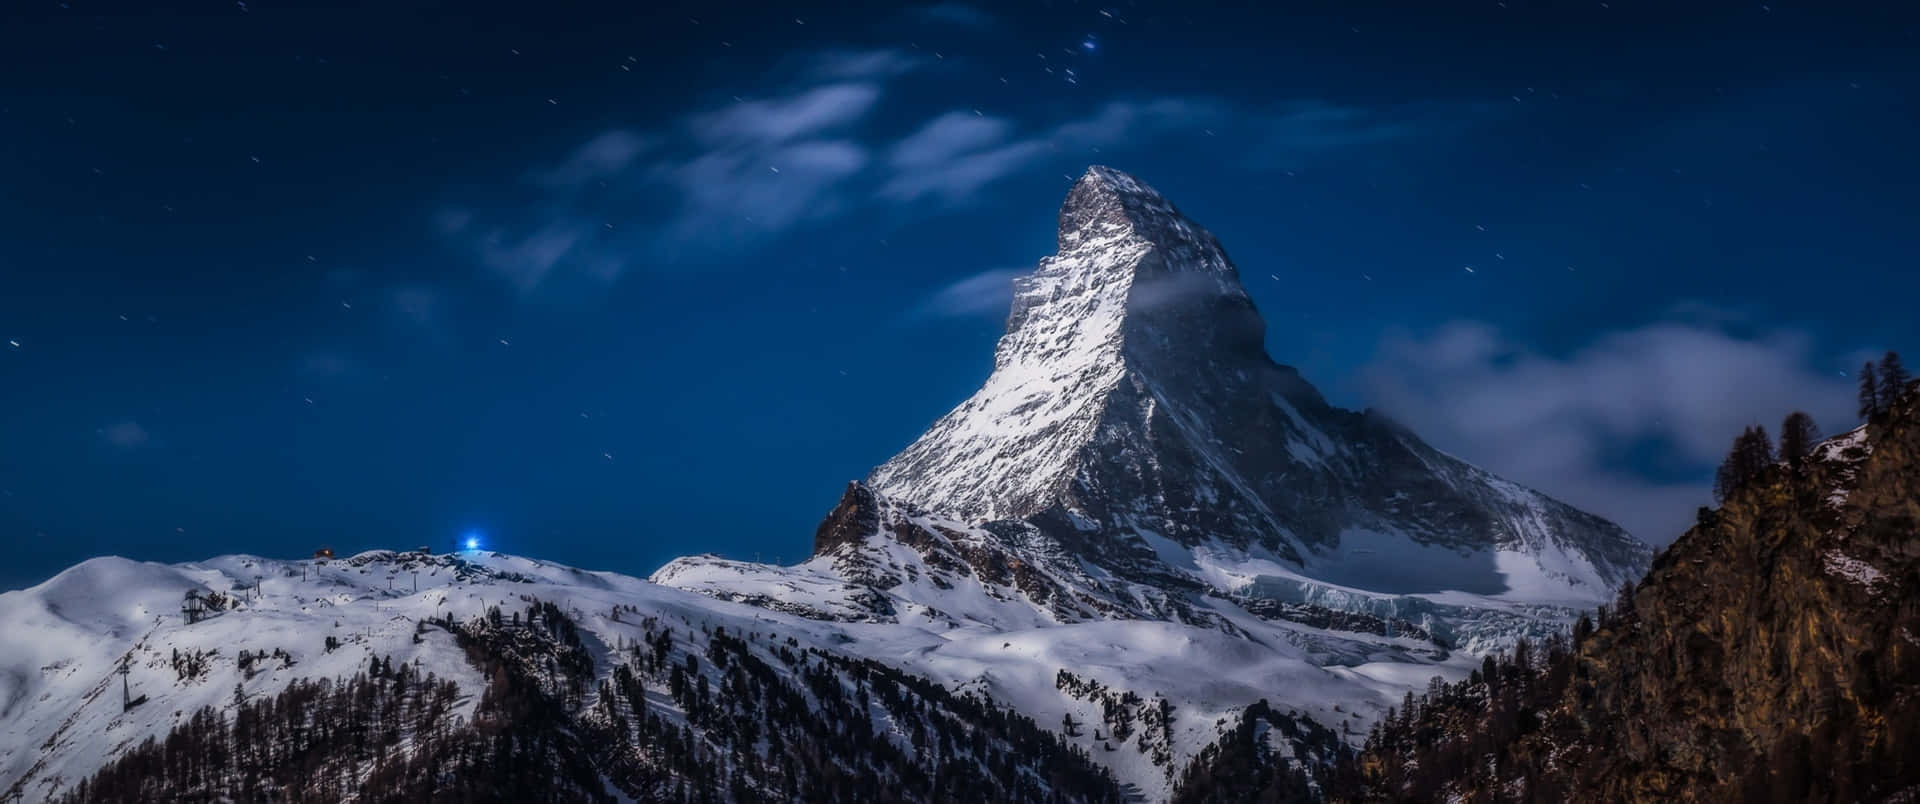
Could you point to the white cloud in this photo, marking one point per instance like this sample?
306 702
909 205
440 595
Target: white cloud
957 179
733 193
728 178
720 178
601 157
982 294
125 434
526 261
841 65
947 136
957 154
1130 121
787 117
1562 424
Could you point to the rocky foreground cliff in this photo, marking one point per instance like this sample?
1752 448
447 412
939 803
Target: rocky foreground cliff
1772 654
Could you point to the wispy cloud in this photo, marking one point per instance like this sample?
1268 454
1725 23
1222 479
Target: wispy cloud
955 155
988 293
860 65
746 193
1292 134
731 177
946 137
719 178
784 118
124 434
602 157
1563 424
420 310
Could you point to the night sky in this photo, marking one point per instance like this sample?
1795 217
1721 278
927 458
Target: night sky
611 283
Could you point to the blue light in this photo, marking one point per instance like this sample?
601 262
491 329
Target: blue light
473 543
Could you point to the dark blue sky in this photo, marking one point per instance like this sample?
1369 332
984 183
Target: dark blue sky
610 283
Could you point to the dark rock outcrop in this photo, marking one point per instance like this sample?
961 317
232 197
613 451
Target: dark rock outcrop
1772 654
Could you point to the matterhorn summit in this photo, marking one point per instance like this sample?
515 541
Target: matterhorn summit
1134 415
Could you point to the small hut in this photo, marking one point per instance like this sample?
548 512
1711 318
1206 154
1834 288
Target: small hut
193 606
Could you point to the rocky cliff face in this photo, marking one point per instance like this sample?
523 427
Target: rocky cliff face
1133 404
1772 654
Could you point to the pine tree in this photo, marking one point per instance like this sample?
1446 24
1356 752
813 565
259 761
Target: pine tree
1758 454
1752 453
1869 391
1726 478
1729 476
1797 436
1893 379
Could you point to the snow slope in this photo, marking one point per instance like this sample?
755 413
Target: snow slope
62 715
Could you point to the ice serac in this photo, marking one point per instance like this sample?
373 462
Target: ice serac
1133 413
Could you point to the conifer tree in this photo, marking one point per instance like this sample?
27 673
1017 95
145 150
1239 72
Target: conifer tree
1728 477
1797 436
1893 380
1758 454
1869 391
1752 453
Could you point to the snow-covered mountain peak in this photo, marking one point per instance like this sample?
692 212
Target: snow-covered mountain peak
1133 415
1118 234
1105 201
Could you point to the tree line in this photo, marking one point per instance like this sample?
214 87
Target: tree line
1881 385
689 714
1753 451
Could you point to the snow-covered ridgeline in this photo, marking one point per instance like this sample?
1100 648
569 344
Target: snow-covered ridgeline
63 712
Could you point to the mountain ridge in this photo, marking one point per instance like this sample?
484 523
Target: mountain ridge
587 686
